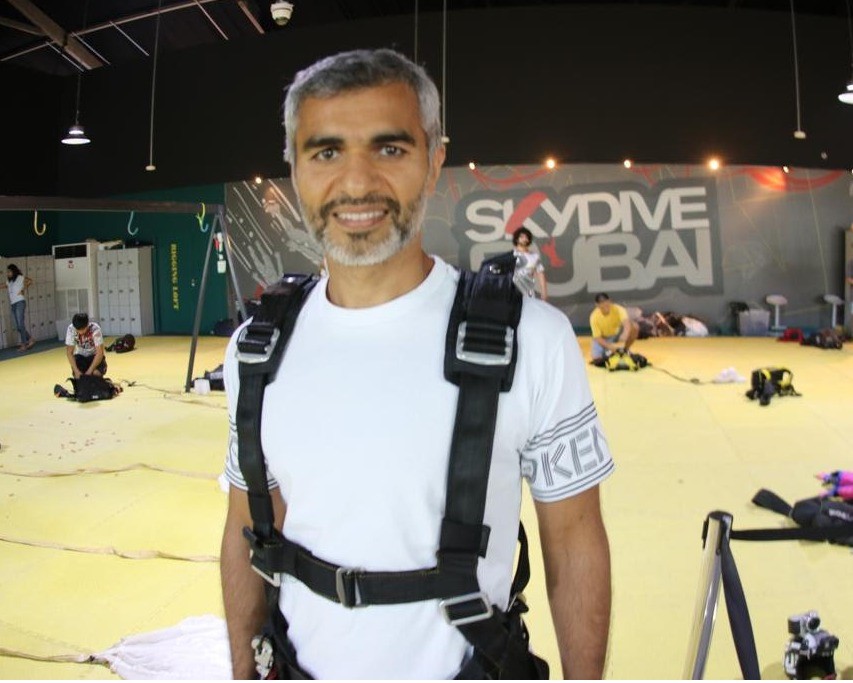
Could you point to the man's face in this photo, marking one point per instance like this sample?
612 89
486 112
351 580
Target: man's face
363 173
604 306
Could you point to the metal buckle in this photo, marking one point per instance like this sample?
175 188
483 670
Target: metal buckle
461 621
250 357
479 358
272 579
264 655
341 574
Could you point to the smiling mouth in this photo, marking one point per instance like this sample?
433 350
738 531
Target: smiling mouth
360 219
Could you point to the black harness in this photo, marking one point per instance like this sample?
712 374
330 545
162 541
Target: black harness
480 356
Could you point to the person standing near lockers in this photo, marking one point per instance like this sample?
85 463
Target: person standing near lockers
17 283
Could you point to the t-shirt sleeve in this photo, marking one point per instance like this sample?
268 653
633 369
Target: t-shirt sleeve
70 337
595 324
97 336
623 313
231 377
567 452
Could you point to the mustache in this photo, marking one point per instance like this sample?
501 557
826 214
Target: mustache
392 205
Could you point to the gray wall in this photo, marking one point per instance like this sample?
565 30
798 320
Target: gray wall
660 237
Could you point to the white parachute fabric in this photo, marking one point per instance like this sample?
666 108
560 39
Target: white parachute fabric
195 649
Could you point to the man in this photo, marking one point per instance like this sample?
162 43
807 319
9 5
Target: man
611 327
84 347
357 424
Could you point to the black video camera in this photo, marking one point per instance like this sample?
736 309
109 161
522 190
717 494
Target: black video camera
810 653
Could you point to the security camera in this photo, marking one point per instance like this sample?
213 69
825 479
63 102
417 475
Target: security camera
281 12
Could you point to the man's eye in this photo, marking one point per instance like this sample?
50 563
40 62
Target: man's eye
392 151
326 154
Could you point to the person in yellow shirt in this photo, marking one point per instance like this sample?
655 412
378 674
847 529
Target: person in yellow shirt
611 327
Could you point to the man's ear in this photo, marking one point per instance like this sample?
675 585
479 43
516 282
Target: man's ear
435 164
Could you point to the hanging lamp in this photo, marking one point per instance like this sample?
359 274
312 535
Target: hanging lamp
846 96
799 134
76 135
150 166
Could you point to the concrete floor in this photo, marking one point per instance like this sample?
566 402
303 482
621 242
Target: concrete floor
682 449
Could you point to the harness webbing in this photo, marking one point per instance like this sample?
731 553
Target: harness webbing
260 348
481 350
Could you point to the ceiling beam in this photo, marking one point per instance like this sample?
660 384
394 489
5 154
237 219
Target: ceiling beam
20 26
57 34
210 19
22 203
250 15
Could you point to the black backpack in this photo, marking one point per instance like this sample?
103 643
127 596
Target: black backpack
123 344
216 377
826 338
821 515
770 382
93 388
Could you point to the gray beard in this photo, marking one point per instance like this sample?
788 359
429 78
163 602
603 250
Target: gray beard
406 226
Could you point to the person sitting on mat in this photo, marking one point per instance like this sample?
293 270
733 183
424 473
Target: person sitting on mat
611 327
84 347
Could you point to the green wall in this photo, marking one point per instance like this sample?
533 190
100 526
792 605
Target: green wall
18 236
178 241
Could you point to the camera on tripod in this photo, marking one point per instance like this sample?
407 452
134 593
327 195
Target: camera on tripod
810 653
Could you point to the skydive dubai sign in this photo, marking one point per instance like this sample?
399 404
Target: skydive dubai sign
604 237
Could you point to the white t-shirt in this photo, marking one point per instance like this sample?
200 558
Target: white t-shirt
16 289
356 429
85 342
527 264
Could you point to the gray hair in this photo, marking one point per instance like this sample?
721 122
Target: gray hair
362 69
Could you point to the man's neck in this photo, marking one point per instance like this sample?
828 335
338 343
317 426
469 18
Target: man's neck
366 286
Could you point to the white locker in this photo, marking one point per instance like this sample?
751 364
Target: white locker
125 291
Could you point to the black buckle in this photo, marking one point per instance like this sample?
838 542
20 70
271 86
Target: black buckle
346 586
258 556
486 608
484 343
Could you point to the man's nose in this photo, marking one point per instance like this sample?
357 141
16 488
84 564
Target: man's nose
359 175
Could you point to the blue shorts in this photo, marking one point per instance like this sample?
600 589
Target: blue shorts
598 351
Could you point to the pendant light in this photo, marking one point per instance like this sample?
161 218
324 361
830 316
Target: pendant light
847 95
799 134
150 166
76 135
445 139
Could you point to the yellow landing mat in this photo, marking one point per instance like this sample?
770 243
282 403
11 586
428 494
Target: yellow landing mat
682 450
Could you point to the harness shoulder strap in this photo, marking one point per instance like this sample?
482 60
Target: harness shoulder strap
260 348
481 350
480 357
